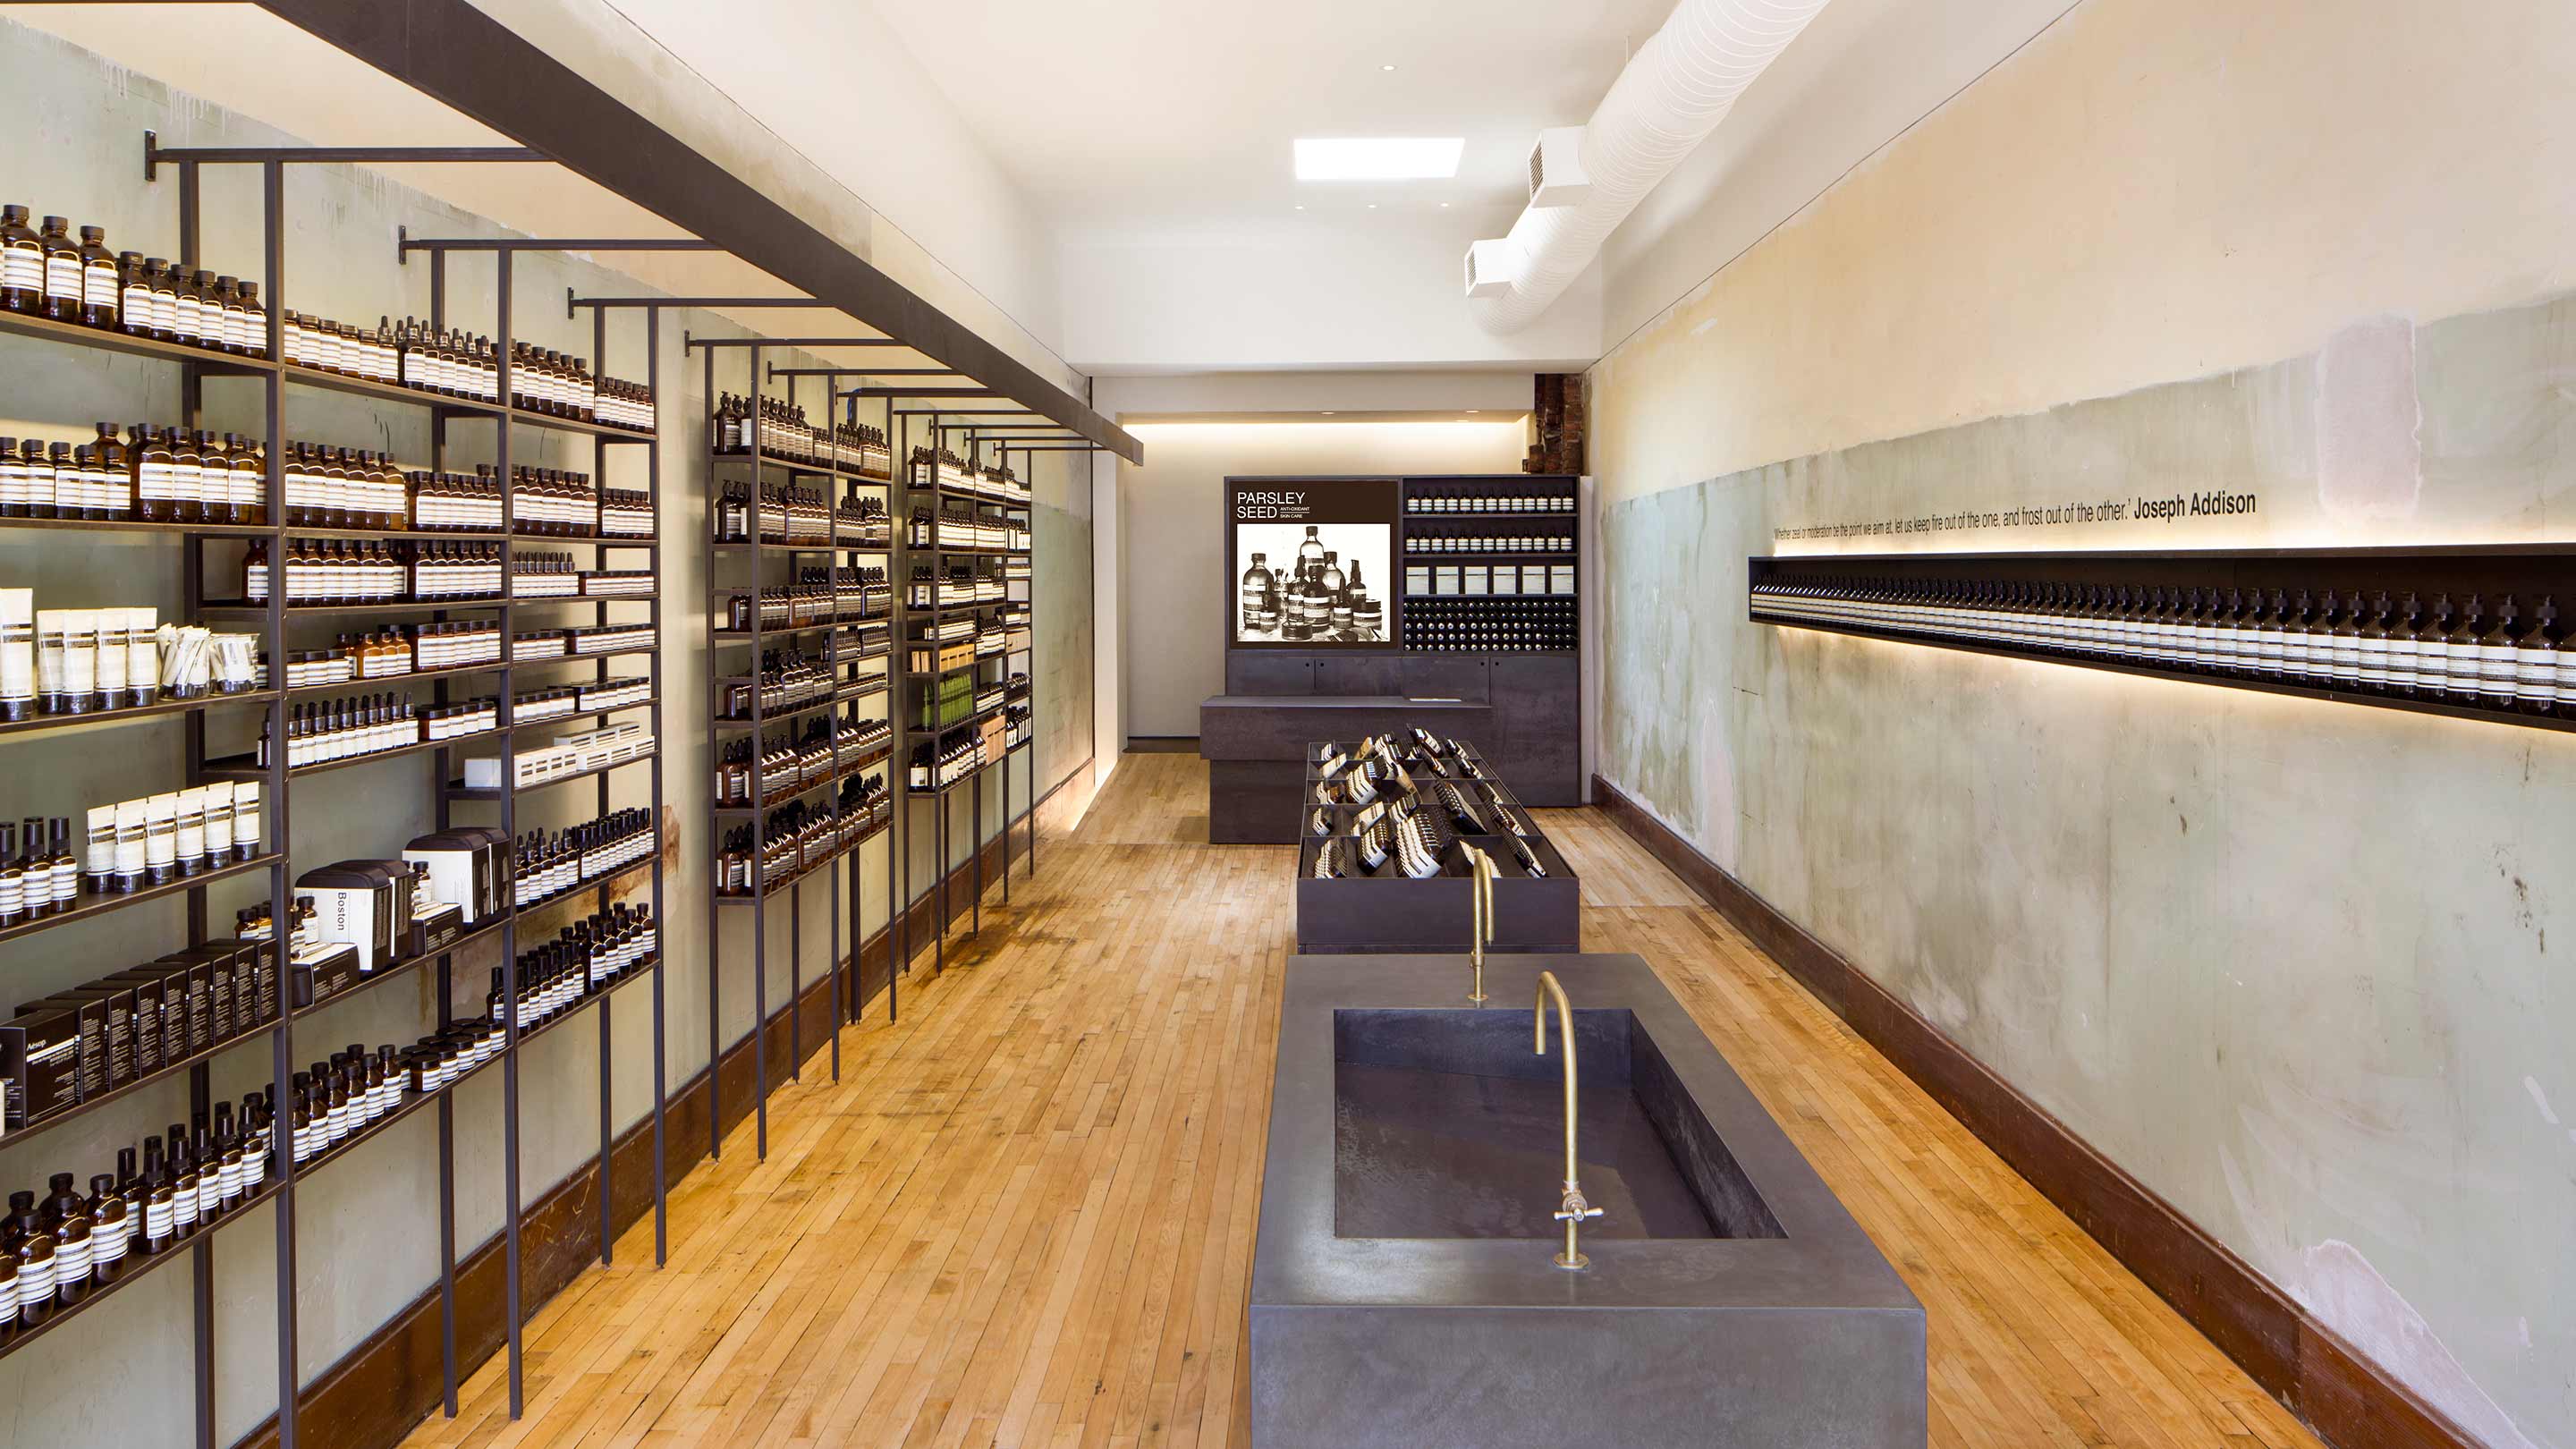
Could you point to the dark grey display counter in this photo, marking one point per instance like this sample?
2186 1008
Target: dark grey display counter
1255 748
1534 733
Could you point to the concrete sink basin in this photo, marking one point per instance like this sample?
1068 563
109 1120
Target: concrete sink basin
1404 1289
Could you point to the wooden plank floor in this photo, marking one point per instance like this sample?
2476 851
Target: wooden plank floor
1024 1217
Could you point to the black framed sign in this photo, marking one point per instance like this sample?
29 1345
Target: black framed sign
1313 560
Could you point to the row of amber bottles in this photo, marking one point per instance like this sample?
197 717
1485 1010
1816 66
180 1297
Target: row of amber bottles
2498 653
170 476
46 273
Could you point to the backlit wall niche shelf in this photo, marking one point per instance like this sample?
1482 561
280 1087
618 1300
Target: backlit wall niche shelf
2472 632
559 671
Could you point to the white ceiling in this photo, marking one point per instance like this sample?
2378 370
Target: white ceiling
1161 117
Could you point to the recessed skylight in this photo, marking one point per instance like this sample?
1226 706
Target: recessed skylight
1378 158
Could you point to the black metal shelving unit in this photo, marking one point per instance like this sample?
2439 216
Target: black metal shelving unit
920 707
748 560
199 367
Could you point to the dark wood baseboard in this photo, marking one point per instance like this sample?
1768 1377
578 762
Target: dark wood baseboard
388 1384
1162 744
2348 1400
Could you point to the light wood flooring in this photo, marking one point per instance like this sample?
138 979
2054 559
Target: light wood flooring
1024 1216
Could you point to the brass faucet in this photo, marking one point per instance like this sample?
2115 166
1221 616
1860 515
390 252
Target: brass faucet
1572 1210
1480 910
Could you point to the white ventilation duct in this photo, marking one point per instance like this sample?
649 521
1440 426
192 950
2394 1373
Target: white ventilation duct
1674 92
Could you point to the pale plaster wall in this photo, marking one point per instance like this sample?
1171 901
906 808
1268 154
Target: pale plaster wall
2148 192
2288 963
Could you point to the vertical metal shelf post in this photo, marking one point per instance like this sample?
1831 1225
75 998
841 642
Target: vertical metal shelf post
272 186
506 387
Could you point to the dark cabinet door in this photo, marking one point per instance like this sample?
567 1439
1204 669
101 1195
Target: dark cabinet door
1538 712
1359 674
1250 671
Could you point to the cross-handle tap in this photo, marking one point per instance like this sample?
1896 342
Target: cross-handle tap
1480 911
1572 1209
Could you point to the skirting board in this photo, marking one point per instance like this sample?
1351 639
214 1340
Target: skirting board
2340 1394
385 1387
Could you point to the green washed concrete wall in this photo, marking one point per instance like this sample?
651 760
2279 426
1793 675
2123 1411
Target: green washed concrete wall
2302 969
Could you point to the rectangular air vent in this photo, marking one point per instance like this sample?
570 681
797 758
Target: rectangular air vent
1556 176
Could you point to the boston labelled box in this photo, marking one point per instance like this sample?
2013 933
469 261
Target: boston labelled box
367 903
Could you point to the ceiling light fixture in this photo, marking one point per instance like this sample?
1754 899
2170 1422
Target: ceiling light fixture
1386 67
1380 158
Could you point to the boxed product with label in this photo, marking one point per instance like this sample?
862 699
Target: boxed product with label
40 1063
158 1006
366 903
469 867
89 1038
113 1007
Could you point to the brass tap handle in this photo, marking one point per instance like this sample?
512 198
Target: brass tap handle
1480 913
1572 1209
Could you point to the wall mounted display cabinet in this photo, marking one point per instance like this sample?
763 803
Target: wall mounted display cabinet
1380 590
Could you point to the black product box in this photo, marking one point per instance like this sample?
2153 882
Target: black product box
248 1012
116 1036
157 1008
254 981
89 1058
40 1061
325 972
195 978
442 926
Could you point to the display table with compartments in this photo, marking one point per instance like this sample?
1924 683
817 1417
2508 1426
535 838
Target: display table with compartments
1383 863
1255 746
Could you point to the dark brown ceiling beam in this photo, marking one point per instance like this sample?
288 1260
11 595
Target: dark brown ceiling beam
457 55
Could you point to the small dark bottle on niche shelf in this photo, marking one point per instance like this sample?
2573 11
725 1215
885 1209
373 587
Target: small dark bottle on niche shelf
2404 621
2433 649
2342 621
2499 658
2543 660
2370 627
2468 655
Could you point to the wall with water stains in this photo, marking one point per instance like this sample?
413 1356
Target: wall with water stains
2302 969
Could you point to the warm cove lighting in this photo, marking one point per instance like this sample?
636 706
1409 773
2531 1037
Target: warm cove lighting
1378 158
